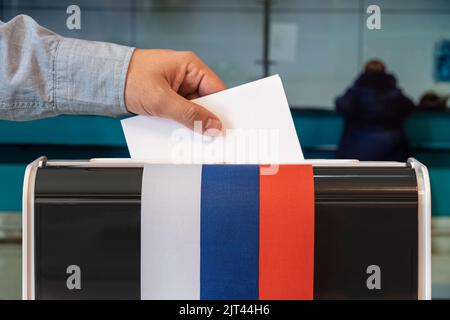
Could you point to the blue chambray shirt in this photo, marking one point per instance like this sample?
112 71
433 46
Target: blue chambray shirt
43 74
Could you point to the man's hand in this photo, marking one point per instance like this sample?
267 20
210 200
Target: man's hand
161 82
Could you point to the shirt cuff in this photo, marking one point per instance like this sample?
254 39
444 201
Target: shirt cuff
89 77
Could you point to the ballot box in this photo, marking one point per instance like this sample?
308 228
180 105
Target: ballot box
367 235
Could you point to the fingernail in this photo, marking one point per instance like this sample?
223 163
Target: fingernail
212 127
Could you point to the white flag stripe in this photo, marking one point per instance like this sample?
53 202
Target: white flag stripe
170 232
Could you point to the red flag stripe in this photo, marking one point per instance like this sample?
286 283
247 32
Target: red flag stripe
286 255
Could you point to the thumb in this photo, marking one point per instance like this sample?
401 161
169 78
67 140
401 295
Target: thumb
187 112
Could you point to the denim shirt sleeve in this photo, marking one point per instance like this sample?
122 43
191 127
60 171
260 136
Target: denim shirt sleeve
43 74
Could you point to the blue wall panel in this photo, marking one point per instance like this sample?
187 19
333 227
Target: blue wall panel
11 178
66 130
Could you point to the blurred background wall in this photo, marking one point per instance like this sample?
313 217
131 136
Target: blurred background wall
317 46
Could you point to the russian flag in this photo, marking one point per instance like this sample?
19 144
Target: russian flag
227 232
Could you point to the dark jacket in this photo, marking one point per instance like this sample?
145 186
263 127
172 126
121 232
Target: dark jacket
374 111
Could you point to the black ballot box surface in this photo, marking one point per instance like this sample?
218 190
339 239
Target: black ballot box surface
92 222
90 217
365 217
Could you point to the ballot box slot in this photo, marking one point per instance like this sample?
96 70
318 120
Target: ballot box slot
344 198
76 201
88 198
365 184
68 181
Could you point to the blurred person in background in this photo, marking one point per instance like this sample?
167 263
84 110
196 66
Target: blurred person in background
374 111
433 102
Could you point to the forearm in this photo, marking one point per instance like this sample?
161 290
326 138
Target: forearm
43 74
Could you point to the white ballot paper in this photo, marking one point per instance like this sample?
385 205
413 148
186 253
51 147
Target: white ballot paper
257 128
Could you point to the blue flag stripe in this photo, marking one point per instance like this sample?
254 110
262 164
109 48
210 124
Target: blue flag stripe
229 232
